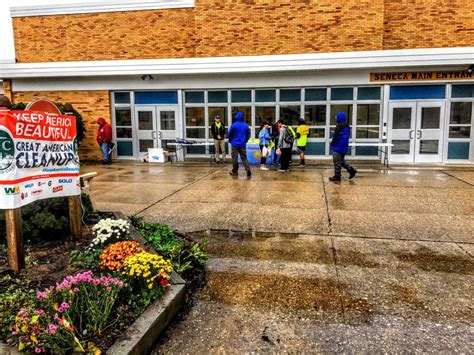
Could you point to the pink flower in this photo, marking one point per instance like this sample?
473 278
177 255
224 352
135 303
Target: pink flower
52 328
37 350
64 305
60 310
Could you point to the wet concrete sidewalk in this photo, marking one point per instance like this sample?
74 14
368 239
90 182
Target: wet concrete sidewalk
381 263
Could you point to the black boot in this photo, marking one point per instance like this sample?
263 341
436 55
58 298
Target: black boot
352 173
335 178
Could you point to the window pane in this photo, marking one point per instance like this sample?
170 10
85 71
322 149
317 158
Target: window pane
417 92
368 114
460 132
123 116
122 97
156 97
401 118
315 115
145 120
213 111
246 110
241 96
265 95
347 109
430 117
144 144
167 120
290 114
125 149
461 113
340 94
265 113
463 91
195 116
458 150
368 93
315 94
217 96
124 133
400 147
290 95
429 146
317 133
195 133
367 132
194 97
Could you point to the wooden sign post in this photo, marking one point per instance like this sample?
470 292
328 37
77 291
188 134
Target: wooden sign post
75 224
15 246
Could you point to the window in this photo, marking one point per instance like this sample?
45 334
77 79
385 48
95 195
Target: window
123 124
315 94
368 121
217 97
264 113
195 123
315 117
241 96
194 97
290 114
290 95
265 95
246 110
342 94
460 126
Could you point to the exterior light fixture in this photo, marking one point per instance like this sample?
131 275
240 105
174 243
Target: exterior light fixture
147 77
470 69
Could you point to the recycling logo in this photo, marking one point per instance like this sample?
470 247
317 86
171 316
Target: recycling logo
7 150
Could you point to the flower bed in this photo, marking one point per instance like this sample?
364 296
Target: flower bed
87 310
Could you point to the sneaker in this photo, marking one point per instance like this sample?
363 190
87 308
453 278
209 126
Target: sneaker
301 166
283 170
249 173
233 174
264 169
335 178
352 173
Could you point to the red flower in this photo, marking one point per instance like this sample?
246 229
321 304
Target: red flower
164 283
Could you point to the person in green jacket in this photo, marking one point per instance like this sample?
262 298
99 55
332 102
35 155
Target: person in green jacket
302 132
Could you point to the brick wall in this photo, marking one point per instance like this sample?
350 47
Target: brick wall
212 28
428 24
90 104
246 27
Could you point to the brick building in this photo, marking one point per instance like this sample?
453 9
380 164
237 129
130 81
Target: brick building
162 69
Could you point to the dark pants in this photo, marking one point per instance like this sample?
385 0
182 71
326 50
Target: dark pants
340 161
263 160
235 160
285 158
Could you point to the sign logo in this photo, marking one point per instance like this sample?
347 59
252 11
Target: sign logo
7 150
24 195
65 181
29 186
12 190
36 192
50 183
58 188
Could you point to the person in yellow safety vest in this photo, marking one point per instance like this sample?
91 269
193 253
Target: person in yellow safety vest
302 132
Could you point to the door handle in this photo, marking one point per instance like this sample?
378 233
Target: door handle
159 134
419 134
411 134
153 135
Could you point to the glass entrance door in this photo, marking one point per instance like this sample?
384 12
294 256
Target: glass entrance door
156 126
166 124
416 131
146 117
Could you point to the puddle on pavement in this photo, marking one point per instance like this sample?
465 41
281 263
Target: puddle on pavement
356 258
428 260
310 297
268 246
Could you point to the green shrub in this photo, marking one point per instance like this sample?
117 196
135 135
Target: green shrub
46 219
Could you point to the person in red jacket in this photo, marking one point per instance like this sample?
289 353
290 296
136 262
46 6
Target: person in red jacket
104 138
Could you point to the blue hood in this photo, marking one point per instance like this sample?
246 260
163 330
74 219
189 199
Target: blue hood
239 116
341 117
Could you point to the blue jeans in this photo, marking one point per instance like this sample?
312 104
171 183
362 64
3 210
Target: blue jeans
104 148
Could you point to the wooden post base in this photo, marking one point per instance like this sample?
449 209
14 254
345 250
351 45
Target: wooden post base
15 247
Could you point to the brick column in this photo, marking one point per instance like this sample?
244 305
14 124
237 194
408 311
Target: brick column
7 89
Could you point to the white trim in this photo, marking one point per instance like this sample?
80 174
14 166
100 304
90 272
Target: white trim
373 60
96 7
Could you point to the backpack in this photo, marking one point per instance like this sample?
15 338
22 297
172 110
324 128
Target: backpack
290 135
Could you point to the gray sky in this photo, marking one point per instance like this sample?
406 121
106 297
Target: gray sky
6 33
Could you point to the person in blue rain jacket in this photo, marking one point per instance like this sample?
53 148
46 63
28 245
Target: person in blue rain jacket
340 147
239 134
